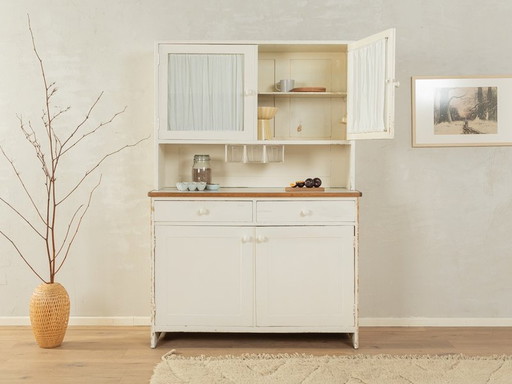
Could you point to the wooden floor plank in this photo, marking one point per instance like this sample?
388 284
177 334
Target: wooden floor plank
121 355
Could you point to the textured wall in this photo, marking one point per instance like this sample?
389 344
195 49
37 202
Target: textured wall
435 232
436 223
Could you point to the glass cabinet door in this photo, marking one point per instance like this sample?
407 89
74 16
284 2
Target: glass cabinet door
371 87
207 92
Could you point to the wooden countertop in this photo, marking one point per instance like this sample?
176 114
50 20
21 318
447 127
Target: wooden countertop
256 192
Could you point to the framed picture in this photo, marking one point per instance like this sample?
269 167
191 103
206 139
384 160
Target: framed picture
461 111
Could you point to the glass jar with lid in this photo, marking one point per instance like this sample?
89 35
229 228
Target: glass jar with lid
201 169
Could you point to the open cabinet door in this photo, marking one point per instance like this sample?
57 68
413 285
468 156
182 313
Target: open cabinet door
371 87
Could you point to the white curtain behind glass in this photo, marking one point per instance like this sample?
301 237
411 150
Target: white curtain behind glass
368 87
205 92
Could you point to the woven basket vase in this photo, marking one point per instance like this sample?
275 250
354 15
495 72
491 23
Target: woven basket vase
49 314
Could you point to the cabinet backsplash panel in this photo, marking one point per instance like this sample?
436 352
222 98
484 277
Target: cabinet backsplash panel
330 163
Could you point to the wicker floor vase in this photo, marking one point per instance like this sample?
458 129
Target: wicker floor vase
49 314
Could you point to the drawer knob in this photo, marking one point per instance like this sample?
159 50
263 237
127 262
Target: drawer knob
246 239
203 211
306 212
261 239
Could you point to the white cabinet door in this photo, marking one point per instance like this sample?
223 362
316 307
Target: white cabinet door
371 87
207 92
203 276
305 276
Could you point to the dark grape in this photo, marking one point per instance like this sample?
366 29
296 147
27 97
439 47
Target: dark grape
299 184
309 183
317 182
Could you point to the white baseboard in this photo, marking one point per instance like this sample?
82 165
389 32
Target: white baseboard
363 322
85 320
435 322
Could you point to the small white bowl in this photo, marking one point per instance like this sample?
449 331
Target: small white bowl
201 185
212 187
182 186
192 186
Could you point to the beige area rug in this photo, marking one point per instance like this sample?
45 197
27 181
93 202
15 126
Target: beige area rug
357 369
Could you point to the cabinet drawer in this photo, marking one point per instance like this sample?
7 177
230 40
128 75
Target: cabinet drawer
203 211
306 211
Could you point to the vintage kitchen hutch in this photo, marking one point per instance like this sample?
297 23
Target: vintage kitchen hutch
252 257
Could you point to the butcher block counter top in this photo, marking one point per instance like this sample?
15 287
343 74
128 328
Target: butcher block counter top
256 192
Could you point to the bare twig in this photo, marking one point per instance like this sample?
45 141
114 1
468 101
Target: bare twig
23 257
87 173
50 89
62 111
78 226
87 115
23 185
31 137
92 131
63 243
22 217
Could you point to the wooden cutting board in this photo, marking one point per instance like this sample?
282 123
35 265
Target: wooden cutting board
309 89
304 189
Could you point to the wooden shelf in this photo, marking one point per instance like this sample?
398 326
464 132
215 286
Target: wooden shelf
303 142
305 94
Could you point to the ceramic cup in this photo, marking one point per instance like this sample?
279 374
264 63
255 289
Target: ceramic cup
285 85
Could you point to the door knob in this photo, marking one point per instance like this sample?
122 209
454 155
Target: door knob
394 82
246 239
261 239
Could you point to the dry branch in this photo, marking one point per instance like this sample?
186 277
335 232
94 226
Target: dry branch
87 173
70 243
21 254
49 154
24 186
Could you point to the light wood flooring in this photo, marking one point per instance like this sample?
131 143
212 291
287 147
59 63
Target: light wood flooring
121 355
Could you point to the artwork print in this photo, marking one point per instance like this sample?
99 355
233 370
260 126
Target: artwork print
466 110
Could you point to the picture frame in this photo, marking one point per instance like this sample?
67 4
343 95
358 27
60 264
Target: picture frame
461 111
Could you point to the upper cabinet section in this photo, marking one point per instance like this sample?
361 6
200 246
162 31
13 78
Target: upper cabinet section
206 92
371 87
315 92
313 108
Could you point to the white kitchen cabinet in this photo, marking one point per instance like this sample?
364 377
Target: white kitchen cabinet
305 276
203 276
290 272
252 256
209 92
